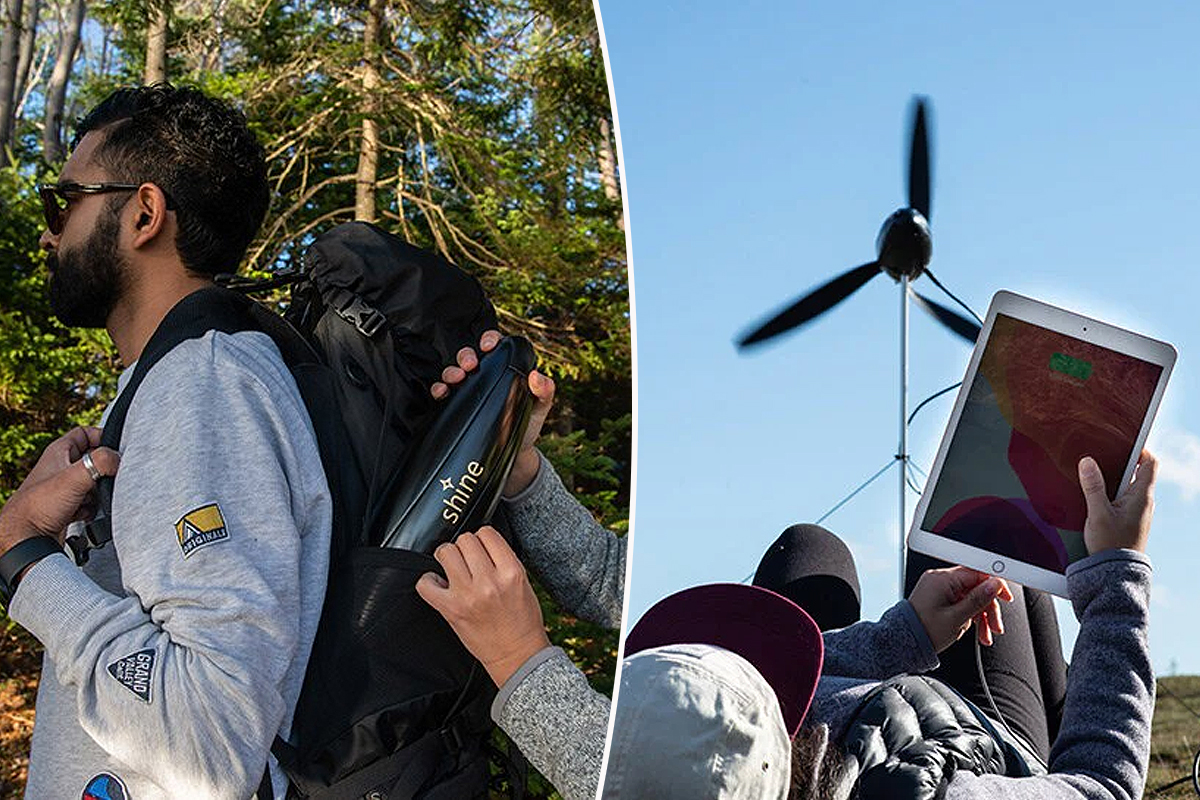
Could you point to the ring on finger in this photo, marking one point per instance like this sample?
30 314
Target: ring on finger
90 466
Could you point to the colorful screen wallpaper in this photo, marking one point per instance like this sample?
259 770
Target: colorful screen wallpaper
1040 401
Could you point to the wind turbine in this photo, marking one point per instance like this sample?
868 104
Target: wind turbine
903 249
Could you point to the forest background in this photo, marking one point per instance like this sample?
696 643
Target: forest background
480 129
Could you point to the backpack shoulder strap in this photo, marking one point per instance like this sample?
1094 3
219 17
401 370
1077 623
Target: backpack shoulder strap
208 309
192 317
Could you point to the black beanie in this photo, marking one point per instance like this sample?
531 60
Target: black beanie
813 568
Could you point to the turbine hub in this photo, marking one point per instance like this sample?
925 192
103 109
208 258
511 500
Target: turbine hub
904 245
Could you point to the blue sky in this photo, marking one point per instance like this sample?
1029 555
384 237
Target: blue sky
763 145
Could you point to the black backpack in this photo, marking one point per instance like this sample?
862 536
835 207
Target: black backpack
371 323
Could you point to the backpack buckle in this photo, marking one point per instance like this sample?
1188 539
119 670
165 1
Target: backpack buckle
358 313
370 323
95 533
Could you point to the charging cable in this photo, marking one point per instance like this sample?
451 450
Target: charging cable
992 704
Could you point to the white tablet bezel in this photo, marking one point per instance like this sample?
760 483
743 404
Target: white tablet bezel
1070 324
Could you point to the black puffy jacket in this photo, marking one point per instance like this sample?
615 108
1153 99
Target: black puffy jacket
912 733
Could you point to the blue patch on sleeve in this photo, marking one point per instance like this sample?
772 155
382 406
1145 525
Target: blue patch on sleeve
105 787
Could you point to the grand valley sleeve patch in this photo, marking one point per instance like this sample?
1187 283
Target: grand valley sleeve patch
134 672
200 528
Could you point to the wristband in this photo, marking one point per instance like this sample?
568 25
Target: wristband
20 556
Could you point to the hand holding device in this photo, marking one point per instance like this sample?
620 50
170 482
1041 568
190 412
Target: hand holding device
947 601
451 479
488 601
526 465
1125 522
467 360
1045 388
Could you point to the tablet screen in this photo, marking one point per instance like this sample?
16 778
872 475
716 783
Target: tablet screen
1039 402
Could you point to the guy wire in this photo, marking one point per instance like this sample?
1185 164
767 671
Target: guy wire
844 500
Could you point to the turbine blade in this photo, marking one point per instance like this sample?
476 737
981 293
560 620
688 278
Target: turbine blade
813 304
919 191
951 319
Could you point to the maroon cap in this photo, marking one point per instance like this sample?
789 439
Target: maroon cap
768 630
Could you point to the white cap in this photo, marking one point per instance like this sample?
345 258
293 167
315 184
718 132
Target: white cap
696 721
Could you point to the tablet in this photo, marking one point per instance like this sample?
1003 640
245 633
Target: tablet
1044 388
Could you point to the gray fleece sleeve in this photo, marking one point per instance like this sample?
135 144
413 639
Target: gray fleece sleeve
558 720
896 644
548 707
1103 747
580 562
178 672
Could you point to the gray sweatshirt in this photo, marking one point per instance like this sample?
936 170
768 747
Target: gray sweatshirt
176 655
548 707
1103 746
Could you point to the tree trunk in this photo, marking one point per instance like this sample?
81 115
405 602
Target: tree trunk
29 26
608 162
9 47
105 51
606 152
608 167
53 151
156 43
368 151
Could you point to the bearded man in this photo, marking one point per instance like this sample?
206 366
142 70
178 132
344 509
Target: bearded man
176 655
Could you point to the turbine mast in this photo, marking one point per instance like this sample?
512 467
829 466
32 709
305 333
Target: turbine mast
902 454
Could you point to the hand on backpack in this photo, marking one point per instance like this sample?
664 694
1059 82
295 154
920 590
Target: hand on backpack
525 468
488 601
58 490
947 601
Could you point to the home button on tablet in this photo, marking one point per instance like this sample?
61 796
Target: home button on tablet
998 567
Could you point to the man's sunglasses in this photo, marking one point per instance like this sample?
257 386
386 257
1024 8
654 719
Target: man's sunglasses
57 196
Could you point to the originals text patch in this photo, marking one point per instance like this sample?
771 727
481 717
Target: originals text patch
200 528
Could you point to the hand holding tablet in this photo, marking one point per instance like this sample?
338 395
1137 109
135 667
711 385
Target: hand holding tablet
1126 522
947 601
1045 388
